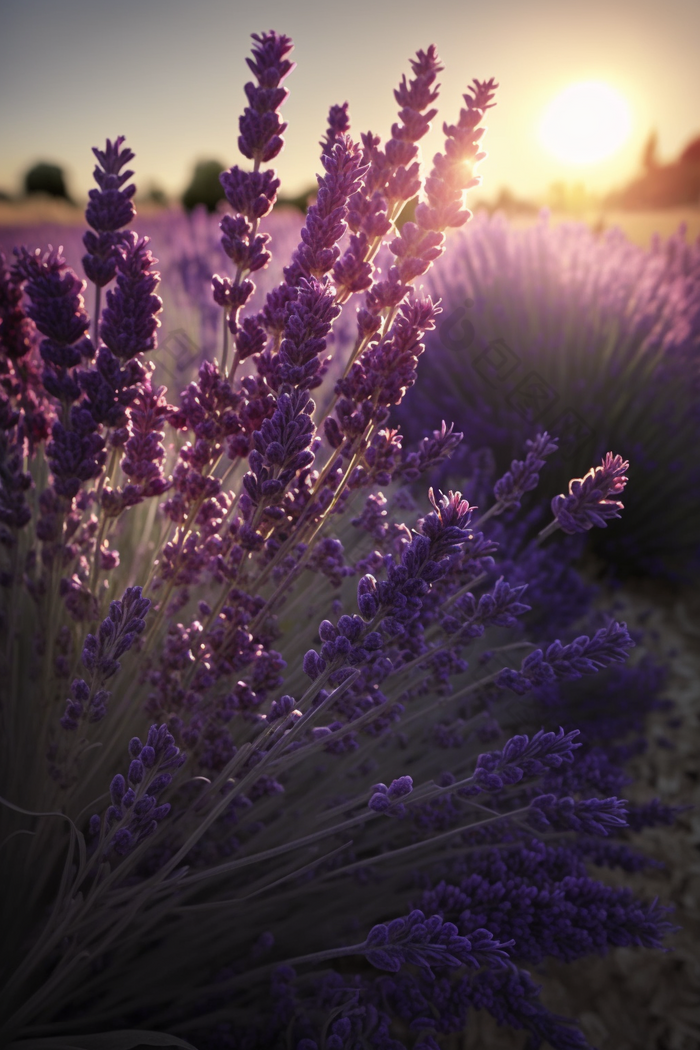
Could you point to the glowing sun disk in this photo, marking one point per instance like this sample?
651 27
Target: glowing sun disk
586 123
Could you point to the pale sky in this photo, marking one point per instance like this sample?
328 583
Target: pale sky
169 75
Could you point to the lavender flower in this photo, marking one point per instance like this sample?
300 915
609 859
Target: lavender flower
135 814
429 943
109 210
338 125
593 816
15 331
325 220
383 798
584 655
100 657
117 633
392 179
261 128
525 757
56 306
523 475
14 509
144 451
252 194
588 502
129 321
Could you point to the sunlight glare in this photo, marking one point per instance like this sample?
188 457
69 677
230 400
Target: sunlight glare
586 123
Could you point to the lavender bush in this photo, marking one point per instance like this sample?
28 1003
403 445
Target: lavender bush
274 768
592 337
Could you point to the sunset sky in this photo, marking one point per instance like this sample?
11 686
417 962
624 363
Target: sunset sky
169 75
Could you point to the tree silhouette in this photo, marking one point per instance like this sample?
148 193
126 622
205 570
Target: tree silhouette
204 187
46 178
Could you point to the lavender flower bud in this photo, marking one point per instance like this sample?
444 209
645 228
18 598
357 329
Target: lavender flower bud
122 841
379 802
136 772
429 943
367 601
159 783
117 633
593 816
314 665
117 789
282 707
588 503
399 788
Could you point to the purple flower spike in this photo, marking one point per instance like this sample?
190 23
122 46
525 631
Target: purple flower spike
307 326
117 633
135 813
432 451
524 758
387 369
144 450
76 452
130 321
252 193
109 210
261 129
588 502
591 816
430 943
338 126
57 308
325 220
524 475
415 96
14 481
452 171
392 180
129 324
609 645
421 242
15 327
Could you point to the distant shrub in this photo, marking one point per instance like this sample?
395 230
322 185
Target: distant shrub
157 195
591 337
46 178
205 187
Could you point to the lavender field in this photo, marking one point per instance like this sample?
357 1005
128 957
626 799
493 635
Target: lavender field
350 674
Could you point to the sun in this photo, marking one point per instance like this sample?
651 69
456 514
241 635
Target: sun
586 123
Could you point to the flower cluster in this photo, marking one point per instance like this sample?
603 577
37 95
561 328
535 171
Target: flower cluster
428 943
588 504
316 660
